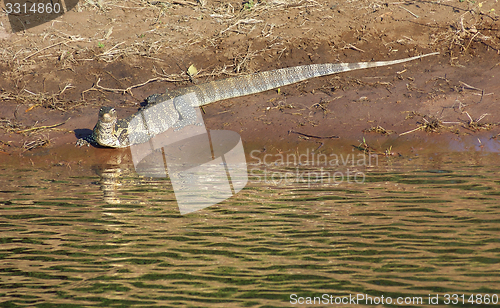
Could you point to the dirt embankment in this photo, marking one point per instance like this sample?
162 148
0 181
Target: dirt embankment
56 75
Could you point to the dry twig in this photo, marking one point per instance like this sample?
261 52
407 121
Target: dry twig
41 127
53 45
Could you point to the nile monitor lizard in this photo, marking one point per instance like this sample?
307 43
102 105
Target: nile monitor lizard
177 107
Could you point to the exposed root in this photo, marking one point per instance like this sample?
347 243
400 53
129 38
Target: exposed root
128 90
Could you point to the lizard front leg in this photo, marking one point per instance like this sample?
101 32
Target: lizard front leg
86 141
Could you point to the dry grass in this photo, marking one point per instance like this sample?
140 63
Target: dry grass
14 126
379 130
73 49
476 126
10 125
41 141
44 100
365 148
243 20
464 32
4 144
430 124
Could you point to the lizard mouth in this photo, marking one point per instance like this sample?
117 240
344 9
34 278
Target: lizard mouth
107 118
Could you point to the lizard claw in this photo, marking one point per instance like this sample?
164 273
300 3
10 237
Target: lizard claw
82 142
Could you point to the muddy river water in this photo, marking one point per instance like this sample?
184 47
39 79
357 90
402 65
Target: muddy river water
409 230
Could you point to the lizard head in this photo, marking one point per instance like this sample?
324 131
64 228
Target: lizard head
107 114
104 131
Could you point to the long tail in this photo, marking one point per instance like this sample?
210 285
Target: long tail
259 82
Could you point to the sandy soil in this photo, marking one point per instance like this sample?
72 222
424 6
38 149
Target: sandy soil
118 52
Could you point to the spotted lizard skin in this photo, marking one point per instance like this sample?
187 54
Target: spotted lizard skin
175 109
